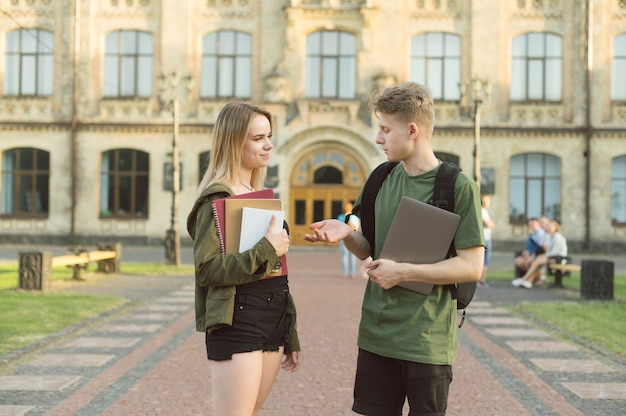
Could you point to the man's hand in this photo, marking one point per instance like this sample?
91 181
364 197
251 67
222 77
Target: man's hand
329 231
385 273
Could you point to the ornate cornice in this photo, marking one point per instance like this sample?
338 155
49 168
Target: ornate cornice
538 16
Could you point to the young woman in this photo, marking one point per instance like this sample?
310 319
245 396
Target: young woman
249 319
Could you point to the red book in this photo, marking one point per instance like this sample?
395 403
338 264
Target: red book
219 211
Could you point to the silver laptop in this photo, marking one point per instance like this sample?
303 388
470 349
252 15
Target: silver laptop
420 233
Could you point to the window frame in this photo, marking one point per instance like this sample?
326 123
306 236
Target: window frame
618 179
330 73
618 68
538 171
40 69
111 209
12 179
123 69
449 56
542 61
217 81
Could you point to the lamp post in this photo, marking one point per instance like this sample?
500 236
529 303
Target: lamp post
168 85
479 93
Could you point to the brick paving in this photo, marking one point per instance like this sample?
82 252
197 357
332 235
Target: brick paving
147 359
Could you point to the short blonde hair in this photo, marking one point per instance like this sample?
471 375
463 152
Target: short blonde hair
408 102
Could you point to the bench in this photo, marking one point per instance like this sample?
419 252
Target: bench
559 267
35 268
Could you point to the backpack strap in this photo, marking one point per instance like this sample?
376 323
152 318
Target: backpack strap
443 193
366 207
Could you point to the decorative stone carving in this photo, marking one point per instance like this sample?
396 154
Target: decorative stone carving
35 269
382 81
276 90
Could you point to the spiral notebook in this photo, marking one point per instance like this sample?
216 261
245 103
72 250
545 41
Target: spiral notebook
420 233
219 211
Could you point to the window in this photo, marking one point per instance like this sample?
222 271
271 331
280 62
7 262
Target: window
226 65
618 80
436 63
618 190
25 182
125 180
128 64
534 187
330 65
536 69
29 66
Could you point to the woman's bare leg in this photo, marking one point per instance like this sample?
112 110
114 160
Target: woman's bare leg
235 384
271 365
241 385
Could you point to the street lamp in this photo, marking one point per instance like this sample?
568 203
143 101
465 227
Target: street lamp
168 85
477 90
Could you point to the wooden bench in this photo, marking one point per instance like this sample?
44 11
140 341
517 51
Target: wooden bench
35 268
561 267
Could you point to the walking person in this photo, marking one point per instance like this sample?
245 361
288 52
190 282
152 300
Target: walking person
488 225
407 341
249 320
348 260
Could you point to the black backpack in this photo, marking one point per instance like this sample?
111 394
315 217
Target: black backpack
443 197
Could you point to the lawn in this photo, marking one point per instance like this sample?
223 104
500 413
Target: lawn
30 316
597 322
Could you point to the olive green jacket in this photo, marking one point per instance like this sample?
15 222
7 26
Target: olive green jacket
218 274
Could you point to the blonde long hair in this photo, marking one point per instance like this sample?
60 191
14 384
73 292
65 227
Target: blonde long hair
229 136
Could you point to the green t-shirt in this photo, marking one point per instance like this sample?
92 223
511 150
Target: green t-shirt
399 323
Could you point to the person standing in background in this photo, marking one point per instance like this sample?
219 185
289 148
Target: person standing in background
348 260
488 225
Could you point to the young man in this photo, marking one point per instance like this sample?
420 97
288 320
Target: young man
407 341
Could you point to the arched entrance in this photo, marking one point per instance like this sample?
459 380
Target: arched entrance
321 183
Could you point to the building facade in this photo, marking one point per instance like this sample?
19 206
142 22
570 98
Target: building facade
530 97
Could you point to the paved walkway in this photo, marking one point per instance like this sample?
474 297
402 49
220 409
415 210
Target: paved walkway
146 358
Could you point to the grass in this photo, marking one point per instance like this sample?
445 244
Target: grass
30 316
597 322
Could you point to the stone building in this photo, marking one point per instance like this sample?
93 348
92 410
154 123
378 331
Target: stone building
87 106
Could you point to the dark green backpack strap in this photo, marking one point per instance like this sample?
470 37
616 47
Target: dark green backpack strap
365 209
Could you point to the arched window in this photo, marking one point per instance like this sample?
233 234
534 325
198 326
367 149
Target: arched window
124 183
436 63
536 68
618 80
25 182
618 190
128 64
226 65
29 65
534 187
330 65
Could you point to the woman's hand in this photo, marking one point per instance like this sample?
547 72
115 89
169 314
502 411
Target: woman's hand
291 362
280 240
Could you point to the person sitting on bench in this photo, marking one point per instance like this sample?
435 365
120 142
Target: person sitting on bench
558 247
536 243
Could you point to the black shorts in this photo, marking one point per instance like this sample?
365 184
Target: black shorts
259 321
383 384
